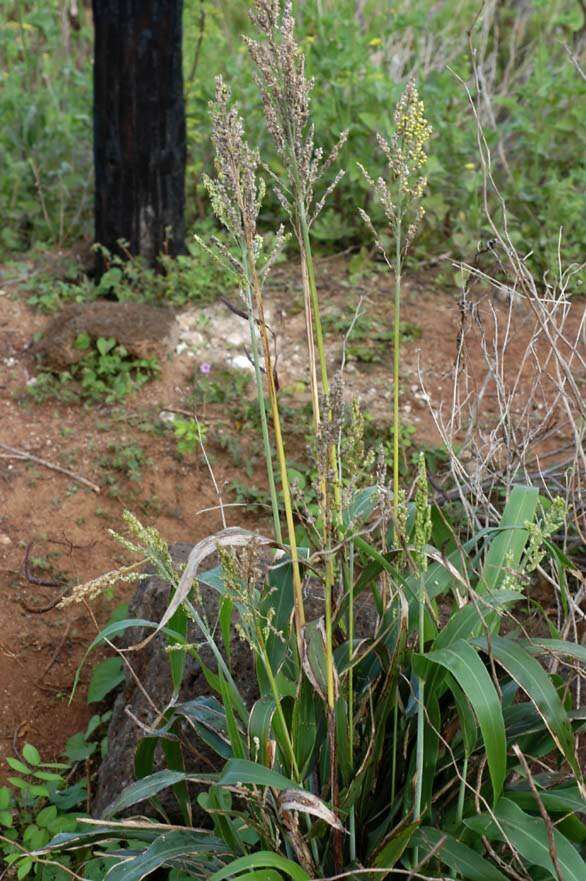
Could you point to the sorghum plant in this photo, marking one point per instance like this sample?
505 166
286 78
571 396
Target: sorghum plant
236 195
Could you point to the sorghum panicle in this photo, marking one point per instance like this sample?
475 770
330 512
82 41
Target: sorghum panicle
422 528
286 96
400 195
236 193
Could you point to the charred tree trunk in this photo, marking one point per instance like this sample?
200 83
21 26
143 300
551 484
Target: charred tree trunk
139 126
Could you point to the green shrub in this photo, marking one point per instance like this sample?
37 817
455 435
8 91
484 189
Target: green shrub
531 116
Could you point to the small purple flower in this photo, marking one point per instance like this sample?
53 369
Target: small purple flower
206 367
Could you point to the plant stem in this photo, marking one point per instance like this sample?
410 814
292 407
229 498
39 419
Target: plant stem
310 346
309 275
308 272
282 459
329 583
350 589
420 710
394 753
396 369
462 791
278 708
331 697
319 336
263 416
396 432
313 321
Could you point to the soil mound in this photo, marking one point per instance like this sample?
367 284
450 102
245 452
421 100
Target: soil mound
141 329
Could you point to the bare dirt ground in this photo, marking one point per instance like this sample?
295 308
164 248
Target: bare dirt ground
64 524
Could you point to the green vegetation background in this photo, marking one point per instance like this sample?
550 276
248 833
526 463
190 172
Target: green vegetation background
531 109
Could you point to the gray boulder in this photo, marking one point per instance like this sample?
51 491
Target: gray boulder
150 665
151 669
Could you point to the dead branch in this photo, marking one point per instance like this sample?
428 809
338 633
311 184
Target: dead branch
57 651
23 455
31 577
40 610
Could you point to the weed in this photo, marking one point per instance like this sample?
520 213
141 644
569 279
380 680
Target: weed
45 799
188 278
47 386
52 295
105 372
225 387
240 456
108 372
126 459
376 348
82 745
194 277
190 434
364 328
249 495
38 804
152 506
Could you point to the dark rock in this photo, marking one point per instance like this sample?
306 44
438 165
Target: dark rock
151 668
141 329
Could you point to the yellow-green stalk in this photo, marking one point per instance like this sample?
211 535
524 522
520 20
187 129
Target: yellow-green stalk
236 195
263 417
396 375
281 457
421 537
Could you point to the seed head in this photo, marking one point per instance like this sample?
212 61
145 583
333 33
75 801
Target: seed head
91 590
400 195
552 520
422 530
286 96
236 193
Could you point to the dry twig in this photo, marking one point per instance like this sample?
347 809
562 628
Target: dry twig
25 456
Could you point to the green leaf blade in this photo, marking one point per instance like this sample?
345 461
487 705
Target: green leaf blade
463 662
536 683
456 856
529 836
